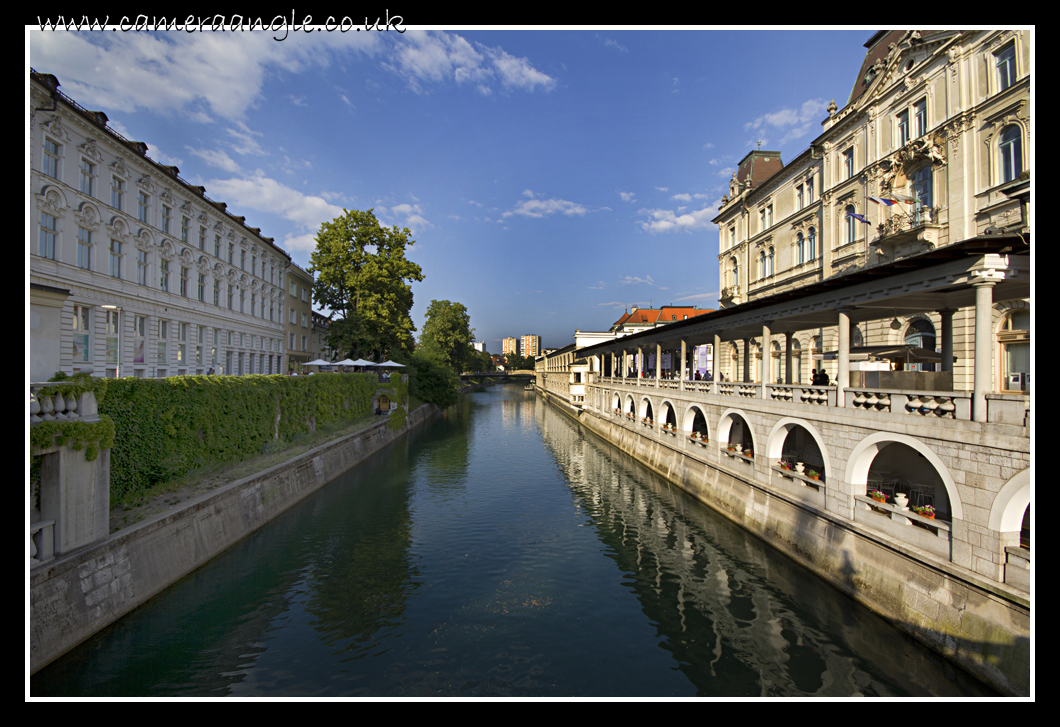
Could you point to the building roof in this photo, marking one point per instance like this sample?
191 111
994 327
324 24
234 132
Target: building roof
879 47
757 167
642 317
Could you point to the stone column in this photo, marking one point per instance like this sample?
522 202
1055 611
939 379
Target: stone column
658 363
983 372
842 380
767 359
684 356
788 378
947 338
640 364
714 365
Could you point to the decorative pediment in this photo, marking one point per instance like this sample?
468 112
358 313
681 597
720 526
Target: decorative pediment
50 202
87 217
118 167
146 184
166 252
166 196
202 265
54 127
145 240
88 149
118 229
899 166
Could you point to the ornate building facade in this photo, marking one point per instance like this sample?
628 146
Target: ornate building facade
133 271
931 149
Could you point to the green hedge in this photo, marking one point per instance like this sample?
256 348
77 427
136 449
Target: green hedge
168 427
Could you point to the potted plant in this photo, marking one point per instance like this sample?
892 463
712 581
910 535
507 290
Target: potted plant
813 474
926 511
732 447
693 435
877 496
784 465
748 453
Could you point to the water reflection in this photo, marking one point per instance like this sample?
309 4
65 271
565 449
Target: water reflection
739 617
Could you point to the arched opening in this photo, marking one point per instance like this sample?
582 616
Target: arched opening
800 448
796 361
696 423
898 469
669 416
740 438
616 403
646 411
631 408
1014 339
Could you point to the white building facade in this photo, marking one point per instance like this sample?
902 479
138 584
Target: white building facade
150 278
938 122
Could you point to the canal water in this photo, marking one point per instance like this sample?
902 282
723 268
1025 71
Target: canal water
500 552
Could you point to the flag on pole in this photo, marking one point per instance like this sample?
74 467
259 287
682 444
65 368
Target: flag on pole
861 218
881 200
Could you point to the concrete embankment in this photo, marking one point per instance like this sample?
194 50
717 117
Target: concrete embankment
981 626
73 597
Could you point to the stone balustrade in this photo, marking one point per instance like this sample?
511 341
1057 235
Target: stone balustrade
50 406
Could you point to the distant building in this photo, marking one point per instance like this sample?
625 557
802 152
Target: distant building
510 345
640 319
479 346
299 316
530 345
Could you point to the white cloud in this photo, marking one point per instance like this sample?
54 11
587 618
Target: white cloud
261 193
697 297
599 285
663 189
683 197
245 143
791 123
608 42
630 279
216 158
545 207
670 221
628 196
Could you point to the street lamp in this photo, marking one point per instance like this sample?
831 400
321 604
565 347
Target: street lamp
117 373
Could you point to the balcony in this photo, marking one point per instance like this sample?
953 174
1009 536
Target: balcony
908 234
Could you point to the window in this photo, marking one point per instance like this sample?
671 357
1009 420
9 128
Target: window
735 267
230 298
163 282
769 262
139 338
202 287
761 220
163 336
254 265
732 237
920 115
921 333
799 203
82 325
182 343
166 213
254 303
800 249
851 224
292 318
812 240
272 310
117 193
84 249
922 192
242 259
112 337
217 293
184 282
903 128
50 165
292 342
184 231
303 343
141 207
1005 60
304 323
48 229
293 293
762 265
769 215
809 190
88 177
141 267
1014 337
848 162
242 298
217 246
1010 150
115 259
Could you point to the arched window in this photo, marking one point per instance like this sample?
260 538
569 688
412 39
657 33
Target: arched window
856 338
769 263
796 361
735 272
852 224
812 245
1014 337
761 264
1010 151
800 249
775 375
921 334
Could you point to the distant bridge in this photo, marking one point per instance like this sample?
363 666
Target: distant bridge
519 374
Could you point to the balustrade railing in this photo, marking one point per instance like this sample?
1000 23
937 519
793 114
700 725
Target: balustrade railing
47 406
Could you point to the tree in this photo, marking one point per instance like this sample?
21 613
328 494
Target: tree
363 276
447 334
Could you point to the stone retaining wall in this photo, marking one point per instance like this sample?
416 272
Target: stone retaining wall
80 593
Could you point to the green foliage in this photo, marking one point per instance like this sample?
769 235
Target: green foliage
89 436
168 427
362 275
430 381
447 335
514 361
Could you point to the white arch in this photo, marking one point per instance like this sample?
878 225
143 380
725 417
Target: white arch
662 407
725 424
1006 513
861 457
689 418
779 432
643 410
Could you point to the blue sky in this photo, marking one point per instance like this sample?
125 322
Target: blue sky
551 178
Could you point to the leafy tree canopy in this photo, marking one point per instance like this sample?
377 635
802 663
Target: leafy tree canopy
447 335
364 278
